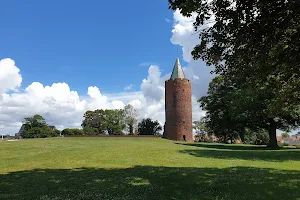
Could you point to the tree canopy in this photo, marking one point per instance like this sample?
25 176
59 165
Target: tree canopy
111 121
36 127
149 127
254 45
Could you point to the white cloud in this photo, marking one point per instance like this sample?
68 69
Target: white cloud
10 78
147 64
196 77
128 87
63 107
184 35
152 87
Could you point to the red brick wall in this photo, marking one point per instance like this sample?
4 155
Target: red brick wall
178 109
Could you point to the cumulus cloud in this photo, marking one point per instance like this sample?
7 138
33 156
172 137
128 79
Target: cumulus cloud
152 87
64 107
10 78
184 35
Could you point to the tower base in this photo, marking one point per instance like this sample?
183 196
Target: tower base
177 133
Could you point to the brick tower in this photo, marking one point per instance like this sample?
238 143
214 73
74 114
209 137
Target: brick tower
178 106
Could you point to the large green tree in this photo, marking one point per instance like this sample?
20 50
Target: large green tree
35 121
149 127
217 104
255 46
36 127
114 121
94 119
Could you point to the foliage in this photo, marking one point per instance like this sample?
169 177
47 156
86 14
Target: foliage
114 121
285 135
259 137
39 132
254 45
35 121
111 121
94 119
90 131
202 131
285 144
72 131
36 127
149 127
217 104
130 117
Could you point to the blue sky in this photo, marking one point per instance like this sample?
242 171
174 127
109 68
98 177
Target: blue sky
85 43
62 58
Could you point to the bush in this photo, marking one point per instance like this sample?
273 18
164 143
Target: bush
260 137
285 144
90 131
39 132
72 131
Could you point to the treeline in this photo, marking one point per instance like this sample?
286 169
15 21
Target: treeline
95 123
114 122
36 127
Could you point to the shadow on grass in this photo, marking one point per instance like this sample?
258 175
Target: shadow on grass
145 182
226 146
244 152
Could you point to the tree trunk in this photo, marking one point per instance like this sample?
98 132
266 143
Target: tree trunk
272 134
242 136
225 139
131 129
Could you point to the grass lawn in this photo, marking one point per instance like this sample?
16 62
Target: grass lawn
145 168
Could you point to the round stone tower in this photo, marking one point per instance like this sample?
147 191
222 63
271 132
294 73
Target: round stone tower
178 106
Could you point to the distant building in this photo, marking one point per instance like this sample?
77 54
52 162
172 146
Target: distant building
297 136
294 139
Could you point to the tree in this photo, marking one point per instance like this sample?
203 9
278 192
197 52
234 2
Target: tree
285 135
253 45
149 127
94 119
34 122
259 136
114 121
36 127
201 129
130 117
217 104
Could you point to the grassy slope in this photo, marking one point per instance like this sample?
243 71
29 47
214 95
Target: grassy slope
136 168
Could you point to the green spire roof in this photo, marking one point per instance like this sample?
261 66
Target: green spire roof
177 70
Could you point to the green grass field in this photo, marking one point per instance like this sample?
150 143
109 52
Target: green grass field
140 168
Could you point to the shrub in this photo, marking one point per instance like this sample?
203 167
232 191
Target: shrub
72 131
285 144
90 131
39 132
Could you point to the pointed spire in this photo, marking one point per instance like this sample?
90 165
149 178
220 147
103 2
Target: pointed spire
177 70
